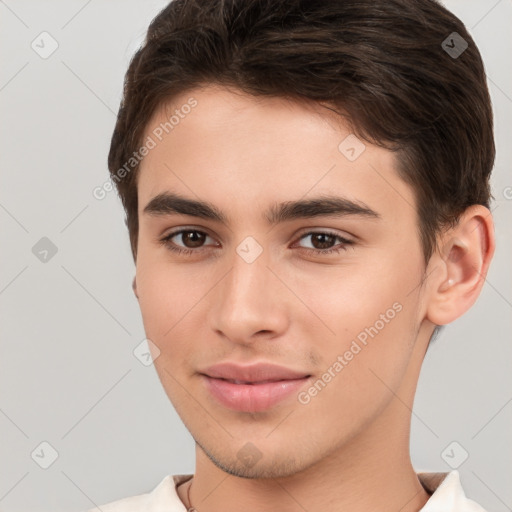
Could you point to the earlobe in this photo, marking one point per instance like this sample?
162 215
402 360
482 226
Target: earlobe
134 287
460 267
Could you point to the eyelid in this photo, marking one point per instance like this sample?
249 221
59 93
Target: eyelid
326 231
180 229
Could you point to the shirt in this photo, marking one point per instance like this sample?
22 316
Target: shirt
446 492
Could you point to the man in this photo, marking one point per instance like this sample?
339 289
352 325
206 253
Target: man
306 187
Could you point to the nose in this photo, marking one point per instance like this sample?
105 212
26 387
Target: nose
249 303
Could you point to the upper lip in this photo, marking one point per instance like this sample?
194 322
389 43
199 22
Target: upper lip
252 373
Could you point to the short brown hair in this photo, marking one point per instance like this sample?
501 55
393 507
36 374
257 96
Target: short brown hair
381 64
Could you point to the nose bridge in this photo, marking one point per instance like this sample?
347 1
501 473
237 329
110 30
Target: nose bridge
246 301
246 284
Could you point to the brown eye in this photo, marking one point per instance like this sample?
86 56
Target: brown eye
323 242
192 240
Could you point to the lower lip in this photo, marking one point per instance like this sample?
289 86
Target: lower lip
252 397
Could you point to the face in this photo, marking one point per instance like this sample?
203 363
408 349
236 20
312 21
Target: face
329 290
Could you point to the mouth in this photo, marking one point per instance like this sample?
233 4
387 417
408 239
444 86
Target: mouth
252 396
255 383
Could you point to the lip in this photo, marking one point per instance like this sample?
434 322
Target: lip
254 373
270 384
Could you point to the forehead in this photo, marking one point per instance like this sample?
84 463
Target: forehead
217 143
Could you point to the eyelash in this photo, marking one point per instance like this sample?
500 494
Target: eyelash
166 241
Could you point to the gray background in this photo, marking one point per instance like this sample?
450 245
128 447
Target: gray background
70 325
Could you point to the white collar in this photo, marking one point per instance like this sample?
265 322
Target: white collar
445 489
448 493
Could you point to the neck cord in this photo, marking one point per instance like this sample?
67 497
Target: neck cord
191 508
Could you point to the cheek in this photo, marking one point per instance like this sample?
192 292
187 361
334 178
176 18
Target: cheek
165 285
165 299
163 292
352 296
364 363
172 301
366 311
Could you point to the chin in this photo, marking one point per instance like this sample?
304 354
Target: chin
248 462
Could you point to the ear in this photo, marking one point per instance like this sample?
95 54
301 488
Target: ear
459 265
134 287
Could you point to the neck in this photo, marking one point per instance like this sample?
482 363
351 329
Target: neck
374 470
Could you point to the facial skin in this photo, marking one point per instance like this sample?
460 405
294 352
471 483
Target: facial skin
348 447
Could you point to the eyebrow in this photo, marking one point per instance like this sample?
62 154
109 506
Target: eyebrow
168 203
